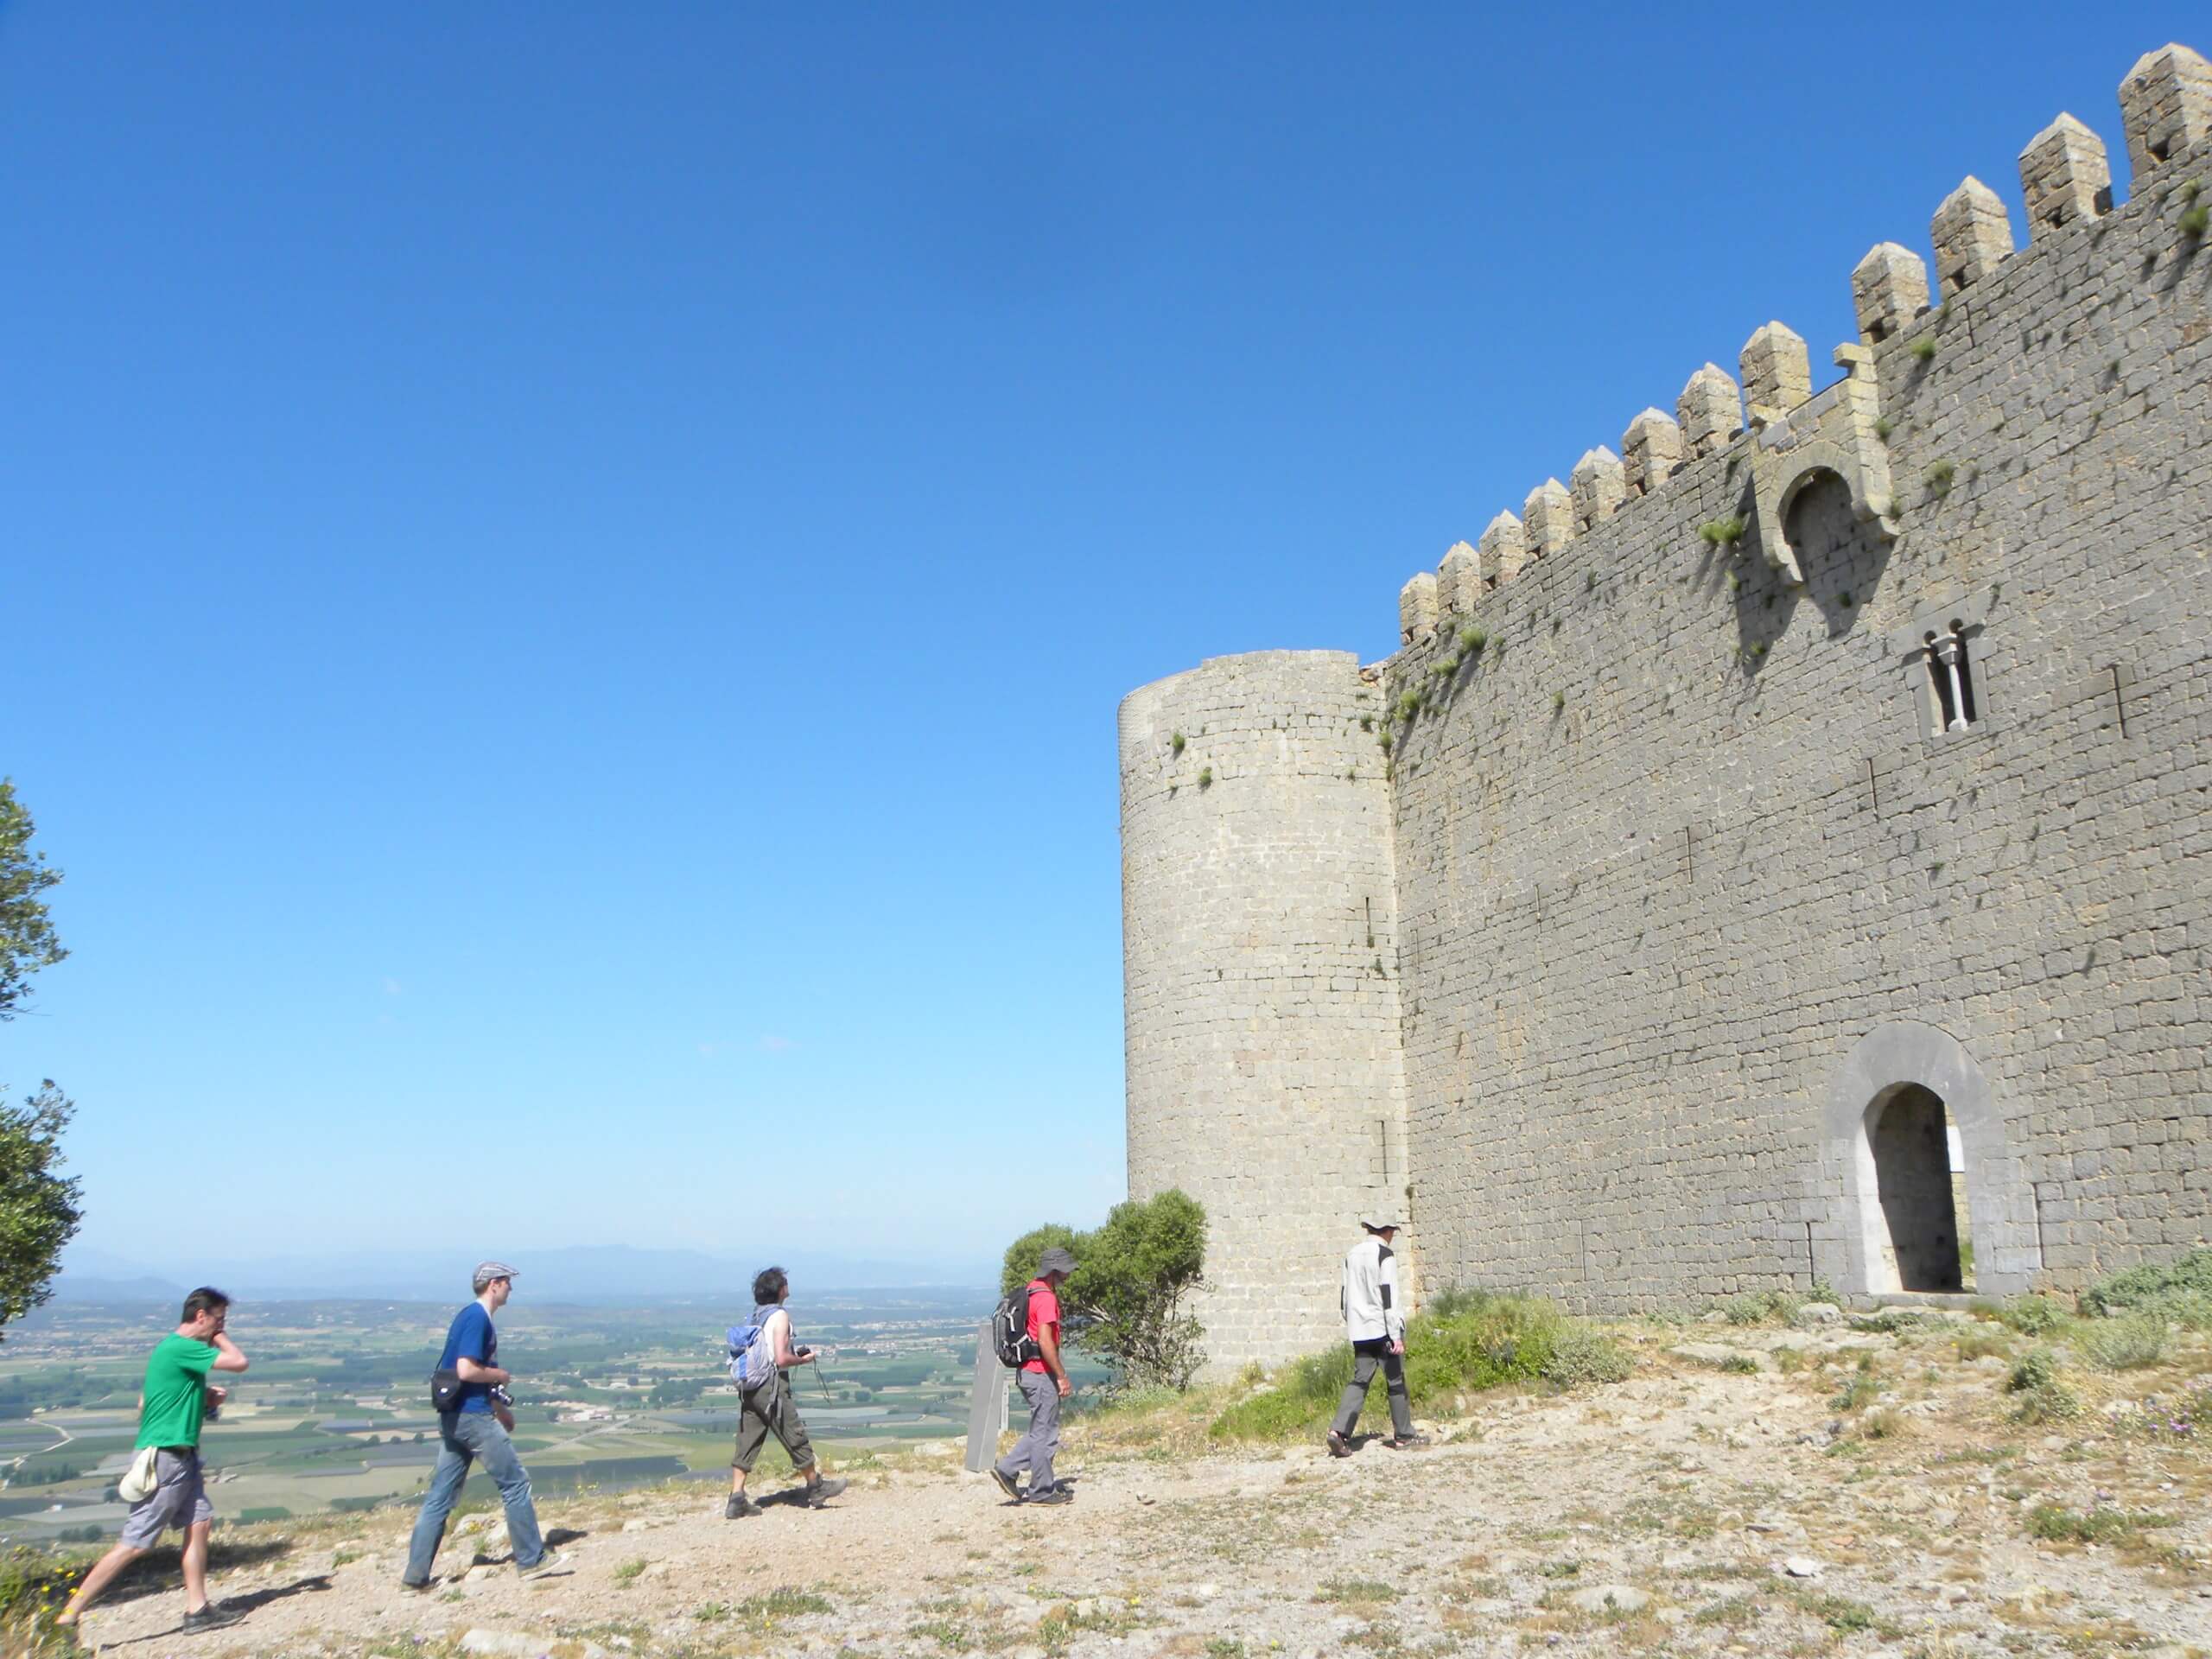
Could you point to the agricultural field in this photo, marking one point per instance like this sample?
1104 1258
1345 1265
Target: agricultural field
335 1415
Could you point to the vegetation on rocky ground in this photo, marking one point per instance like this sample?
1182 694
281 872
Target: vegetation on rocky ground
1465 1341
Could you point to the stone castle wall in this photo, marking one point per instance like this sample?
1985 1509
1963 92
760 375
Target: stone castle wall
1689 875
1260 922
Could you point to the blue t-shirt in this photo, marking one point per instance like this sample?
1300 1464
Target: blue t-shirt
471 1338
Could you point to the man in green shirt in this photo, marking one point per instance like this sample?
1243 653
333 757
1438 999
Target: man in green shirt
176 1401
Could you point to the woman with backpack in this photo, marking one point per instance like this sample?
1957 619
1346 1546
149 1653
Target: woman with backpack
761 1354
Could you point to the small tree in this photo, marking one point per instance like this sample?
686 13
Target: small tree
27 938
1127 1301
38 1208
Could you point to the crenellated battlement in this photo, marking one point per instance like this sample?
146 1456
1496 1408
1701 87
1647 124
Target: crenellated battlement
2166 102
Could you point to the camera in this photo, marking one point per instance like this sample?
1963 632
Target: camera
498 1393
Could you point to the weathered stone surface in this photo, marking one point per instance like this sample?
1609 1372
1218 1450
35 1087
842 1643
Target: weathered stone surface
1777 371
1609 1599
1548 519
1650 450
1889 289
2064 176
1972 233
1710 410
1459 579
1503 549
2165 104
1417 608
1596 487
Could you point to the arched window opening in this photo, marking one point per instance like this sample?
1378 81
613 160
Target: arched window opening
1920 1188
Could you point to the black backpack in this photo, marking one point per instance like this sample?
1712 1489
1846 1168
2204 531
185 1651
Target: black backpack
1010 1335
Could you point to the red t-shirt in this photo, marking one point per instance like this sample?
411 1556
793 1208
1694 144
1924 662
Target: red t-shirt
1044 1311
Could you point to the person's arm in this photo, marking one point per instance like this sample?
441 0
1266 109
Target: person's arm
473 1370
1048 1350
227 1357
786 1356
1394 1311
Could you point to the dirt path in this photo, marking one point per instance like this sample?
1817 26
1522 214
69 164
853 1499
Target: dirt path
1689 1510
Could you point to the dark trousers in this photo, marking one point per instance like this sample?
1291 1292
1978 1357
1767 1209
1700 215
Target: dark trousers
768 1410
1366 1356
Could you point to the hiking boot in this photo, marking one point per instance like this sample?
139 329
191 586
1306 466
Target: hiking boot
1338 1446
1050 1495
821 1491
551 1561
415 1587
209 1617
1007 1482
740 1508
1406 1442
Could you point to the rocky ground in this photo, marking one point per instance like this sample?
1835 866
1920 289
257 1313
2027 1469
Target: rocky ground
1760 1491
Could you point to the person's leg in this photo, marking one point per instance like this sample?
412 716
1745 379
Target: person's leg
446 1477
195 1565
1018 1458
485 1437
1044 1431
751 1435
1365 1358
102 1575
1402 1409
784 1422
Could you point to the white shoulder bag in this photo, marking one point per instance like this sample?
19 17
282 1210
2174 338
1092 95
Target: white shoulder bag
139 1480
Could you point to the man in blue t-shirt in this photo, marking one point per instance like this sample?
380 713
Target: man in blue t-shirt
477 1426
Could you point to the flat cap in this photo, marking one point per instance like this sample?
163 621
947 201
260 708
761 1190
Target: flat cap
487 1271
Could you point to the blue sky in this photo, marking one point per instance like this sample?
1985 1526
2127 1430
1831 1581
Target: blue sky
568 569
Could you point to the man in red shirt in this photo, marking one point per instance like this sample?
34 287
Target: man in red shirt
1044 1384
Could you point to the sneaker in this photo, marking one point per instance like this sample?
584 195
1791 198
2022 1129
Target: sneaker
1007 1482
821 1491
1050 1495
417 1586
1406 1442
551 1561
741 1507
210 1617
1338 1446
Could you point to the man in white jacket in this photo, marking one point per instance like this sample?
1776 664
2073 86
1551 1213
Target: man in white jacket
1375 1321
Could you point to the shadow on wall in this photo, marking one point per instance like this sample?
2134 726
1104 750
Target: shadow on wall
1843 559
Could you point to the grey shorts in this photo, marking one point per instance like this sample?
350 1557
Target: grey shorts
179 1500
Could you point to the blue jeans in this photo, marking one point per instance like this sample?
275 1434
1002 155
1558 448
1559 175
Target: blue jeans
464 1436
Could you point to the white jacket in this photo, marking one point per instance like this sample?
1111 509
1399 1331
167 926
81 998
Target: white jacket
1368 1293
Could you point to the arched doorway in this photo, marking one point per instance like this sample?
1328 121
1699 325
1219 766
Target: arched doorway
1883 1179
1908 1134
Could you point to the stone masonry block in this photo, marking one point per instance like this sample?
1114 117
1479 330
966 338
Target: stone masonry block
2065 176
1889 289
1548 519
1710 410
1417 608
2165 104
1972 234
1459 582
1777 372
1650 450
1597 488
1503 549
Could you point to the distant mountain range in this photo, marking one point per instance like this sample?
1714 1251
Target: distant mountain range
611 1273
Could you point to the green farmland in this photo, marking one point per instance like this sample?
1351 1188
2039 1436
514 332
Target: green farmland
335 1414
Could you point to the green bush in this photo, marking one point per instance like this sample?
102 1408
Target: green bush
1465 1341
2036 1369
2179 1290
2033 1316
2124 1343
1127 1299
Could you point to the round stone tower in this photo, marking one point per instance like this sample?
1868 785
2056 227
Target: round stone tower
1259 966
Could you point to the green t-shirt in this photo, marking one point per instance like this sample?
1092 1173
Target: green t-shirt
176 1392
